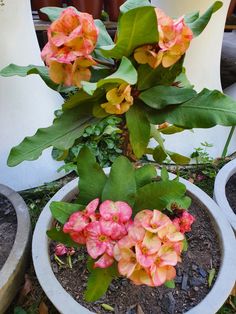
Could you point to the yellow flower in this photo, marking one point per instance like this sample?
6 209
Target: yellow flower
119 100
150 54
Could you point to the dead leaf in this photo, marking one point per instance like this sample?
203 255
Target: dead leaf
43 309
25 290
139 310
233 292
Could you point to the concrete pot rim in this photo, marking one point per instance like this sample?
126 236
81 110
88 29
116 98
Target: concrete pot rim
23 234
67 305
219 191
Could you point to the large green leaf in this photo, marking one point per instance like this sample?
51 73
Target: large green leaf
132 4
61 211
62 134
157 195
126 73
159 154
139 129
92 178
134 32
61 237
104 39
144 175
159 97
198 23
42 71
99 281
205 110
121 184
148 77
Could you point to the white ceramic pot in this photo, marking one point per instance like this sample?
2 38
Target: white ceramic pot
67 305
13 271
202 63
26 103
219 191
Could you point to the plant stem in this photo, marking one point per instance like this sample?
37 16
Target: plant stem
108 64
225 150
157 136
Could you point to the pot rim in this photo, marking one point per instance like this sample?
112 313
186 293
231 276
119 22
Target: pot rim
67 305
221 180
22 236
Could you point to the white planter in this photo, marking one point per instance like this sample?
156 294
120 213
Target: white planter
13 271
202 63
67 305
26 104
219 191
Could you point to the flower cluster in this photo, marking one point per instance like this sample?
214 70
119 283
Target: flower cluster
174 40
146 248
71 40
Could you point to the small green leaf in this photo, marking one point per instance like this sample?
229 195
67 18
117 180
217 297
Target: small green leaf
170 284
61 211
159 155
164 174
132 4
185 242
53 13
144 175
139 129
171 130
159 97
198 23
92 178
178 159
121 184
99 281
61 237
133 32
211 276
126 73
107 307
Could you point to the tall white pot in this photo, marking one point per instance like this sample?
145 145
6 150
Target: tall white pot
202 64
26 104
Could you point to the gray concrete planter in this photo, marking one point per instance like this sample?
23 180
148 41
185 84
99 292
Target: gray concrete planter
67 305
219 191
12 272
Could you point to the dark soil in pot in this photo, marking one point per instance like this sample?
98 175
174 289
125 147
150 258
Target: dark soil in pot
8 228
93 7
230 191
192 285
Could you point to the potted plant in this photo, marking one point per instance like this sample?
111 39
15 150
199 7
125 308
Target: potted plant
224 191
38 4
112 7
93 7
140 78
104 216
15 235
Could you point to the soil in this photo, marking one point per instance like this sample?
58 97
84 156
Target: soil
230 191
191 283
8 227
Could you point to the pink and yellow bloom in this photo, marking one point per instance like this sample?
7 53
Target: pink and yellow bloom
184 222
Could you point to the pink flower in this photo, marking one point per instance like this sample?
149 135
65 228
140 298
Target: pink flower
104 261
115 216
78 221
97 241
60 249
152 221
184 222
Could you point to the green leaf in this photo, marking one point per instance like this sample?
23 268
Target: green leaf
198 23
62 134
170 284
132 4
19 310
205 110
144 175
173 129
211 276
61 211
92 179
148 77
104 39
133 32
126 73
178 159
53 13
61 237
99 281
182 202
185 243
159 154
164 174
159 97
121 184
107 307
42 71
139 129
157 195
